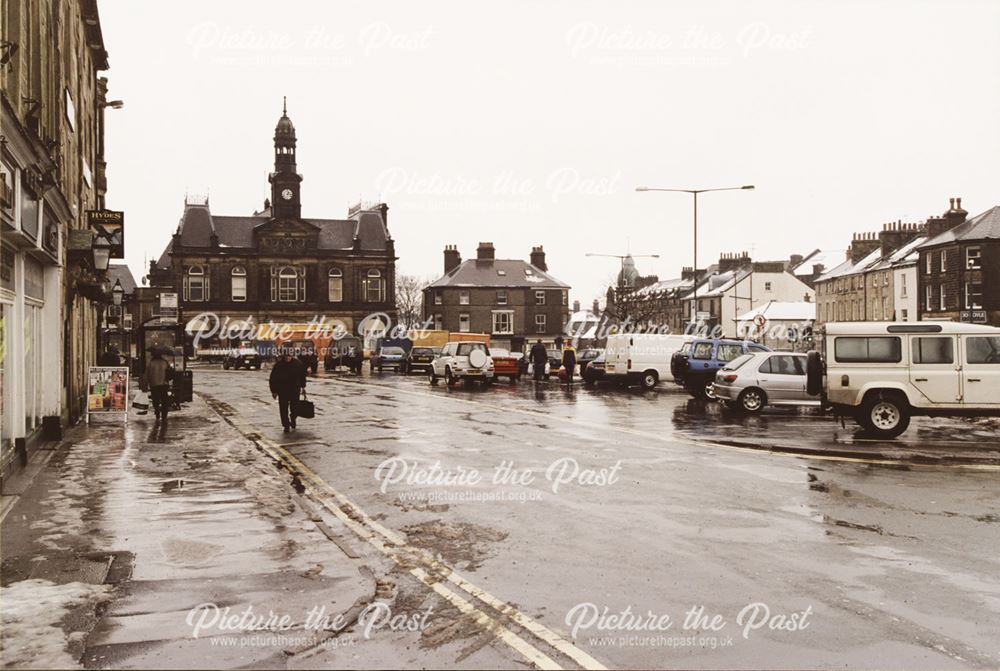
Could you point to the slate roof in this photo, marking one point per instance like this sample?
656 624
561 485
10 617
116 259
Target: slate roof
675 284
981 226
849 268
198 223
121 273
500 273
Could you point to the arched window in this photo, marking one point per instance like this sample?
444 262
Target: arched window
239 280
373 286
196 285
288 285
335 285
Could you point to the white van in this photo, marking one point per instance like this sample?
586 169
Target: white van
882 373
641 358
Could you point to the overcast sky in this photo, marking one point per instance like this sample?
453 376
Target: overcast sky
531 123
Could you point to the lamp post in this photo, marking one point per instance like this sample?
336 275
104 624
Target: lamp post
694 193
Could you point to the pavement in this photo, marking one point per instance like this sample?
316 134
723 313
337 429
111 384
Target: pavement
109 547
512 526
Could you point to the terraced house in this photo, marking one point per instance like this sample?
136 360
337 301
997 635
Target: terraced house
276 265
514 301
959 267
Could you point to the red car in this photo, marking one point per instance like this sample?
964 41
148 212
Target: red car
506 364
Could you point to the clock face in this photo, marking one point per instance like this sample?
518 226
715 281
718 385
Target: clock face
287 194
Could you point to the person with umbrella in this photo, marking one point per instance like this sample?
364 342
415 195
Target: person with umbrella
158 380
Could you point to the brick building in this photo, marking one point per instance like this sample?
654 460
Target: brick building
958 269
275 265
513 300
52 170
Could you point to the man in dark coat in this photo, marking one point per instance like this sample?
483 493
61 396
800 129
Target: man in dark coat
110 357
288 380
569 361
539 358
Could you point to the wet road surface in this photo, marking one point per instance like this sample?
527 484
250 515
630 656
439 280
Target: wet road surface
856 564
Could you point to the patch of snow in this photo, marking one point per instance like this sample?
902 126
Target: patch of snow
32 611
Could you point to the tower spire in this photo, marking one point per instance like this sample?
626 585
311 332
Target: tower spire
284 105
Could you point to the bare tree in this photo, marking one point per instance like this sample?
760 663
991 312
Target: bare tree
409 299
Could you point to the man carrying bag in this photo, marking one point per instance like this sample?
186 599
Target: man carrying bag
287 381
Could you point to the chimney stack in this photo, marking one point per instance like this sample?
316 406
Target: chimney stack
733 261
485 252
949 220
576 306
862 244
895 235
596 307
452 259
538 258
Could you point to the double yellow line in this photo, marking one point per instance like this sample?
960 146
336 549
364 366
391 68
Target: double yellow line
422 565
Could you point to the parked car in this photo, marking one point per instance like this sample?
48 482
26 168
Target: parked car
584 357
640 358
594 372
752 381
419 359
305 350
466 361
696 369
388 357
506 364
244 356
346 352
883 373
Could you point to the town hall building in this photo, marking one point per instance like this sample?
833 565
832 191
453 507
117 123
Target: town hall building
276 265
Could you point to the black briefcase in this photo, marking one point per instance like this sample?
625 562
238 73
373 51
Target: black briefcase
304 408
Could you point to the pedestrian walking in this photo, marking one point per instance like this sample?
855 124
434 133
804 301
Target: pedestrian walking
569 361
287 381
539 358
158 380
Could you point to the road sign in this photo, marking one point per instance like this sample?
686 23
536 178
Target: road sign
760 320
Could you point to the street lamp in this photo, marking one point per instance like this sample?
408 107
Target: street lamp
117 293
102 257
695 192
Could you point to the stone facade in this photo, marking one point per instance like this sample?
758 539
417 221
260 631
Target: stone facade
51 172
275 265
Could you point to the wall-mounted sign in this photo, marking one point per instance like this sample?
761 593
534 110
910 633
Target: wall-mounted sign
168 308
974 316
109 230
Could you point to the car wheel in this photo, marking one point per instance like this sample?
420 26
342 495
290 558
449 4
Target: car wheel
449 379
752 400
432 377
649 379
708 390
885 415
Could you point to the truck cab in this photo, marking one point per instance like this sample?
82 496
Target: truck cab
884 373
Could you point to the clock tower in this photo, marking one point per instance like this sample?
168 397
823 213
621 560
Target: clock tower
285 180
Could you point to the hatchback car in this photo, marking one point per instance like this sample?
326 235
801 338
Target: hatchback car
467 361
418 359
752 381
388 357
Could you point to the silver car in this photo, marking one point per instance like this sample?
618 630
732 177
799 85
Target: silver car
755 380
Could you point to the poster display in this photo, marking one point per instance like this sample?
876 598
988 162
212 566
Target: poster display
107 391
